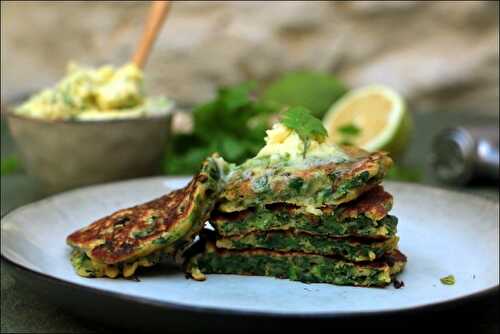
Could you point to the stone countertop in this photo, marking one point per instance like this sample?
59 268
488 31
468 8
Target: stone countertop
24 311
439 55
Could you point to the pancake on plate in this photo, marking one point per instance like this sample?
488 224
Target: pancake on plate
146 234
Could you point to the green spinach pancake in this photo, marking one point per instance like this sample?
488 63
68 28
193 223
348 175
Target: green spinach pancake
205 258
363 217
144 235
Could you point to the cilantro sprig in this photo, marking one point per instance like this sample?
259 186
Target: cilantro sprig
305 125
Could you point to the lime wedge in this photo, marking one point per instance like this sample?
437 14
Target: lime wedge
373 117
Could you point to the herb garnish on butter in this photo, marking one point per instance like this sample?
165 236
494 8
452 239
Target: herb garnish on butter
305 125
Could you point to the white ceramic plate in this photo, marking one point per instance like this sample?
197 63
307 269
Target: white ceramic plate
441 232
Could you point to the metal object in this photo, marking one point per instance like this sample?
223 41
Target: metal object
463 154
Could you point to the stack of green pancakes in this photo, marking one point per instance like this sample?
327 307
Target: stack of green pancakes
317 221
307 211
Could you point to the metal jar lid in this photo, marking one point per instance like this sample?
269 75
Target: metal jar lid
462 154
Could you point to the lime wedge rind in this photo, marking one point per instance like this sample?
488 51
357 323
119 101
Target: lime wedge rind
394 135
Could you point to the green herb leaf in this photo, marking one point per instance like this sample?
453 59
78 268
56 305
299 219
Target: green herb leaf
315 91
237 97
9 165
233 124
350 130
306 125
448 280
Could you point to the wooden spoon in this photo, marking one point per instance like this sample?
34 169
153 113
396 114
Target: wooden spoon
156 18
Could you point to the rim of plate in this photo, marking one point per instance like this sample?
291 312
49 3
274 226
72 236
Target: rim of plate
227 311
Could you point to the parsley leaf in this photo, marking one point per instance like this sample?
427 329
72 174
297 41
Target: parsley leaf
305 125
233 124
236 97
349 130
448 280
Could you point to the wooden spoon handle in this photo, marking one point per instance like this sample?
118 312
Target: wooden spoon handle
156 18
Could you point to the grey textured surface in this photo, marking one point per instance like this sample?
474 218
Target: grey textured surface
443 55
22 310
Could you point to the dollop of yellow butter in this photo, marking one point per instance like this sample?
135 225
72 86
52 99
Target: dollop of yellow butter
95 94
281 141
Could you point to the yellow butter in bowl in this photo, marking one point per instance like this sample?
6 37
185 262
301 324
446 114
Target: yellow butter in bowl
89 94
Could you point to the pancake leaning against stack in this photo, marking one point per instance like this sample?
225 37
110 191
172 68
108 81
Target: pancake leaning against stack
147 234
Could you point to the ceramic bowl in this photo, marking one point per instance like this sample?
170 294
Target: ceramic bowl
67 154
